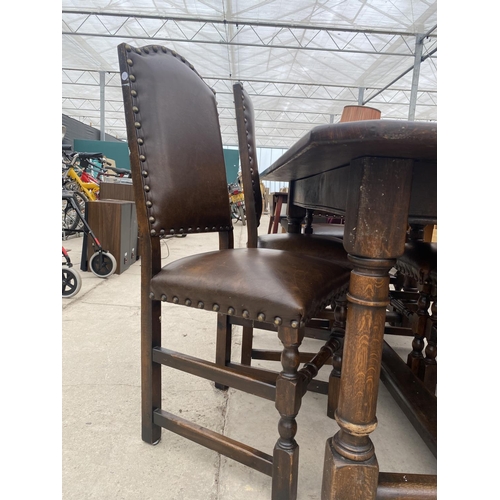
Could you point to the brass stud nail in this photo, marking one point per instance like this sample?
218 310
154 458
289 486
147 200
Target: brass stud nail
146 50
149 204
162 232
164 49
201 305
206 228
278 320
188 302
190 229
294 324
198 229
137 125
230 311
246 314
164 297
181 230
216 307
151 219
155 48
144 173
132 78
130 62
142 158
151 295
135 109
139 51
175 300
134 93
128 48
261 317
146 188
153 232
172 231
140 141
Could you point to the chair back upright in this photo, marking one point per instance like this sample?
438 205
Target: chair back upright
175 144
245 122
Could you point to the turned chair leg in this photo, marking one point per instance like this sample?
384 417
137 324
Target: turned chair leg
288 400
420 327
340 315
428 373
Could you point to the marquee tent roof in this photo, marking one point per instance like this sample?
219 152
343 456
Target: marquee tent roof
302 61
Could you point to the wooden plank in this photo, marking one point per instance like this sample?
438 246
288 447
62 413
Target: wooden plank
211 371
400 486
417 403
228 447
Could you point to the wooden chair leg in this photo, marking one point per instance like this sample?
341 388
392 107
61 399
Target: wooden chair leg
223 344
150 338
340 315
246 345
420 326
150 371
277 215
428 372
288 400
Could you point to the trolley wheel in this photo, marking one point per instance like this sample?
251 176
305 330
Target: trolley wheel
242 215
102 264
71 282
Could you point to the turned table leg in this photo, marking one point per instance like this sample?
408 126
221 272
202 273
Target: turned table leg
376 222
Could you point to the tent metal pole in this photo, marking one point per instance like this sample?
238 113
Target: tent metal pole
102 85
419 44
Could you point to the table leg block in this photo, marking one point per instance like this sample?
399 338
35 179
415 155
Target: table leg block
345 479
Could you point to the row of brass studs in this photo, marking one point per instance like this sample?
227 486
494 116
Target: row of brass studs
140 141
250 159
230 311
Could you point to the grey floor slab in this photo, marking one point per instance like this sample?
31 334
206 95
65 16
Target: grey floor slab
103 456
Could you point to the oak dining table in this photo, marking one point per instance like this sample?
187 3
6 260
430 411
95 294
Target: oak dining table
381 175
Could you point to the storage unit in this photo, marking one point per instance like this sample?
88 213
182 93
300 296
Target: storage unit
120 191
116 191
114 222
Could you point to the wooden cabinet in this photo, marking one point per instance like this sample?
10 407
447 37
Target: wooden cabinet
114 223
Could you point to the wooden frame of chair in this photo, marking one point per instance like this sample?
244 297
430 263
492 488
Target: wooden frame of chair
172 124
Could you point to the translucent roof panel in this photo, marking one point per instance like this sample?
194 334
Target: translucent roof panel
301 61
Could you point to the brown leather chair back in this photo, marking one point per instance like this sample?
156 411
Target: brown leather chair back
245 122
175 144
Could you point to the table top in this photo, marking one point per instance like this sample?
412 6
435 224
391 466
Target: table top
331 146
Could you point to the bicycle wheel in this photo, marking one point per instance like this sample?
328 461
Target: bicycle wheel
71 282
71 219
102 264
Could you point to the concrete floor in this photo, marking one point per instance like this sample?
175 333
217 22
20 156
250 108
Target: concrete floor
103 456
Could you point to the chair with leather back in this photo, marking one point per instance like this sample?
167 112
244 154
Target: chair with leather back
173 128
322 246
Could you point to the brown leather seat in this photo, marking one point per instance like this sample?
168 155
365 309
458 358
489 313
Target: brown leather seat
326 247
180 188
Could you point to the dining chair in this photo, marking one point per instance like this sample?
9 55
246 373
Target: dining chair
418 296
322 246
180 187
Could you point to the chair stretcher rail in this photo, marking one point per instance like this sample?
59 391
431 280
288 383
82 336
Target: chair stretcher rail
211 371
228 447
